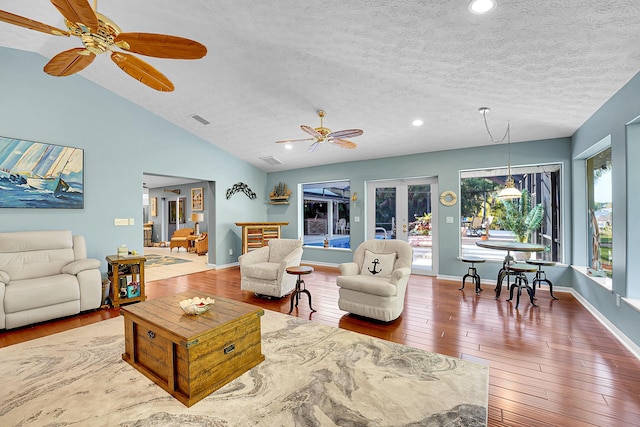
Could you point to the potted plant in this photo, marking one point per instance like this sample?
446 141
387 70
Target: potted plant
521 217
422 225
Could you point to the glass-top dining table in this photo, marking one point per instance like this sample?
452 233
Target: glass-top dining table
509 246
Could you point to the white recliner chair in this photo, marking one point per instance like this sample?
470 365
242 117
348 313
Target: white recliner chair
375 283
263 270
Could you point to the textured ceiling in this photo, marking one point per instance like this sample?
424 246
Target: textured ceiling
544 66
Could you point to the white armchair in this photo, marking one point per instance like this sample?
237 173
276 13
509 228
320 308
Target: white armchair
375 283
263 270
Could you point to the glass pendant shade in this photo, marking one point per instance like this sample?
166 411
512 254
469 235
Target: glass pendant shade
509 192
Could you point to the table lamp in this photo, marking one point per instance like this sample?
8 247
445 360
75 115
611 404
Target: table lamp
196 218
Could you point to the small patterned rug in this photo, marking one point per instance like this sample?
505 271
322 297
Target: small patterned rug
154 260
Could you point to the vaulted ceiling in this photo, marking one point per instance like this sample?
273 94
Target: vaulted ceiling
545 66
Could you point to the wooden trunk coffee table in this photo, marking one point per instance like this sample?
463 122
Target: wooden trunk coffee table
192 356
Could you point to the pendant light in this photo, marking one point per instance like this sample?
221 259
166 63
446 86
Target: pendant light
509 192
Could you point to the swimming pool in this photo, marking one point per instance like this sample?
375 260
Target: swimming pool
340 242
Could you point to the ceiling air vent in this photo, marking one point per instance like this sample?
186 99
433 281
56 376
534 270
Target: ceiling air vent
200 119
271 160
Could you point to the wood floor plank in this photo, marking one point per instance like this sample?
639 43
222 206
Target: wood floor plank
554 365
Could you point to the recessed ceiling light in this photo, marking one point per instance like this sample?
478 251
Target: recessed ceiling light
417 122
288 146
482 6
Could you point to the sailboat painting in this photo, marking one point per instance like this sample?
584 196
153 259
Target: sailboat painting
38 175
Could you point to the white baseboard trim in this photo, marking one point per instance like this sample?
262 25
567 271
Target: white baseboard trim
624 340
319 263
223 266
452 278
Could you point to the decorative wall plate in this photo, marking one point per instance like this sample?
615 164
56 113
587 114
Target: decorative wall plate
448 198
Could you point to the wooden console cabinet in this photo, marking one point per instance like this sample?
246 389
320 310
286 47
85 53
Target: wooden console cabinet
126 274
257 234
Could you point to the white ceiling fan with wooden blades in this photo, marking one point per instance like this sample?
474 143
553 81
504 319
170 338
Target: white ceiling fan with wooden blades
321 134
100 35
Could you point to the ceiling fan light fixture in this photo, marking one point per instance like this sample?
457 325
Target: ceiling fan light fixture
480 7
321 134
99 35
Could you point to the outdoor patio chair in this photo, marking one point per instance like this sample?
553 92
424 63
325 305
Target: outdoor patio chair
475 228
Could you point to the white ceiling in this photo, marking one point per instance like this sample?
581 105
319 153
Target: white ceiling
545 66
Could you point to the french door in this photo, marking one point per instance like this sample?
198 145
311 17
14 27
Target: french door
406 209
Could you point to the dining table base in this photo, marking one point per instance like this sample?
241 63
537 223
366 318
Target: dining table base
508 246
504 272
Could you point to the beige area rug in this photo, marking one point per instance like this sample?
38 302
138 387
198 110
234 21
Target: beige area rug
313 375
155 260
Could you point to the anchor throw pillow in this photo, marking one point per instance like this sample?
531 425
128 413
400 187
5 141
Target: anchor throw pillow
378 265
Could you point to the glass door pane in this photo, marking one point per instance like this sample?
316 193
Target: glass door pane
385 212
402 209
420 234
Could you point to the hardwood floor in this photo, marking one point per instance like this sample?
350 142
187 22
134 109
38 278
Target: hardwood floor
554 365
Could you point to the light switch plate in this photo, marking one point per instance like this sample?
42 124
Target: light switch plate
449 220
120 221
356 219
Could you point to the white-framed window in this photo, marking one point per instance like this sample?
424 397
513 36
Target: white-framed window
600 213
484 216
325 214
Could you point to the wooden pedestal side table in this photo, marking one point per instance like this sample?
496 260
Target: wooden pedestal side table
300 286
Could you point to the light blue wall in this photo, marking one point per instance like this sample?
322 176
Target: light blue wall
611 121
121 141
446 166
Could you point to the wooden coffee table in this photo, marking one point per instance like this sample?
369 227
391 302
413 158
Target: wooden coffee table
192 356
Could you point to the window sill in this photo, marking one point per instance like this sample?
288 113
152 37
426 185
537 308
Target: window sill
329 248
605 282
634 303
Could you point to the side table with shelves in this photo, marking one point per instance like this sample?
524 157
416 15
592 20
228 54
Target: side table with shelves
126 274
